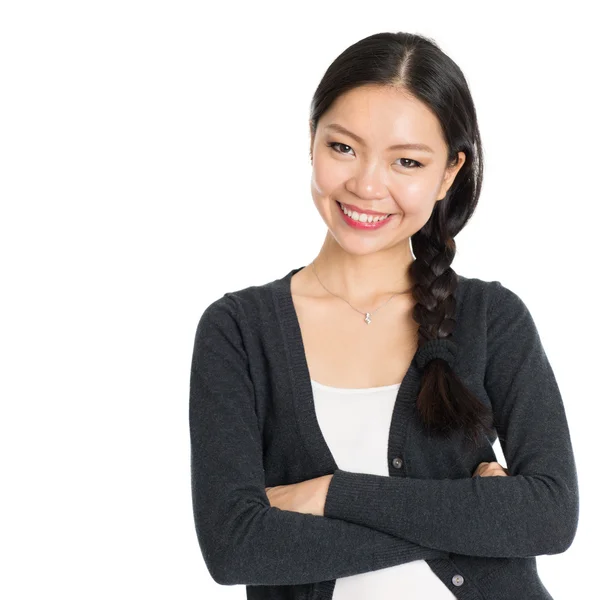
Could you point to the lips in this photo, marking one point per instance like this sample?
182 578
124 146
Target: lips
359 210
363 225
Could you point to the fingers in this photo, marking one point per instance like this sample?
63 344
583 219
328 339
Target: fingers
490 469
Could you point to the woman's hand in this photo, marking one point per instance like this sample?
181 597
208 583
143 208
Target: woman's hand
490 469
309 496
306 497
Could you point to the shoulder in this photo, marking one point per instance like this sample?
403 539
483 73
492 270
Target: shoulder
489 293
509 323
491 304
226 323
247 305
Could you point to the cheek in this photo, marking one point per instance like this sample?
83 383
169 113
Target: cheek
325 179
415 195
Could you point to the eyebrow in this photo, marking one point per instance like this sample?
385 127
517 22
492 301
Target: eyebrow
340 129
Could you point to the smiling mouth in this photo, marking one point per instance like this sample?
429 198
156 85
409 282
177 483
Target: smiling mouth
349 212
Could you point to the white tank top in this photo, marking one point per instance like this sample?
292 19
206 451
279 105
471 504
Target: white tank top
359 443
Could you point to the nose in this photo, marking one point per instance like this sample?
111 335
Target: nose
368 184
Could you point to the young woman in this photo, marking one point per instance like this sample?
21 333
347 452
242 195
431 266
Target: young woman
342 416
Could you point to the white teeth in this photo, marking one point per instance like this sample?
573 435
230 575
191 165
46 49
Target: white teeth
362 217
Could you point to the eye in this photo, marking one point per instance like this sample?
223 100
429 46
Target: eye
416 164
335 145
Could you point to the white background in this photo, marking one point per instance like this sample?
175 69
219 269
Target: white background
154 155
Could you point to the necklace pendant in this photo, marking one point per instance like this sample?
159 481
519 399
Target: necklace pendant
367 318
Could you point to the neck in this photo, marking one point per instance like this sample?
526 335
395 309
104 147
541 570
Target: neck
367 279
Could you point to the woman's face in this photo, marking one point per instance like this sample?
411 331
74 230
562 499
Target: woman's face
364 171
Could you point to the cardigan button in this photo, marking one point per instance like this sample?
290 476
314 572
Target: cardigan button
458 580
397 462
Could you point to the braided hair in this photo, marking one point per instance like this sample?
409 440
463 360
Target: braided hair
415 63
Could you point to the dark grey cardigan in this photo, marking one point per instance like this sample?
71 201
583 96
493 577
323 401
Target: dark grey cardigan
253 425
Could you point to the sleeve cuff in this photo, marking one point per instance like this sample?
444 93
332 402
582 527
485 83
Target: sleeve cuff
347 493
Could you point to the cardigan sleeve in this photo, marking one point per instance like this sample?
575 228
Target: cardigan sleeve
243 539
531 512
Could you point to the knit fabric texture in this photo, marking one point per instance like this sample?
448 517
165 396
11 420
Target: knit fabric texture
253 425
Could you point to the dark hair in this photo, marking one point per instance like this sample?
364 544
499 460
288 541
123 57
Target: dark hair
418 66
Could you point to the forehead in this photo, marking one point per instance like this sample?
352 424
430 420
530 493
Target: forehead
385 115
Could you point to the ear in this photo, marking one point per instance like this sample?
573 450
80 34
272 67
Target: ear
312 141
450 175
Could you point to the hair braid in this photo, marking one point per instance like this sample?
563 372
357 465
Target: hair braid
444 403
